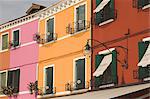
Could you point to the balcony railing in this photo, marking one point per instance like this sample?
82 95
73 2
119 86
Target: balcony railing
74 86
78 26
42 39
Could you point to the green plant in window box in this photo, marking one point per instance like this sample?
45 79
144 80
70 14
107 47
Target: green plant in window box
9 91
33 88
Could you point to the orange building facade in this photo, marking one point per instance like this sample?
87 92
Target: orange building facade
63 31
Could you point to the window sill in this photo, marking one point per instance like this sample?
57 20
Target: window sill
1 51
65 93
145 7
146 79
107 85
106 22
2 95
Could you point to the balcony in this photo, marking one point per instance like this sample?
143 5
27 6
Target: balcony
72 86
78 26
45 38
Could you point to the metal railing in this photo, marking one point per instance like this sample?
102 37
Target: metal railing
14 44
78 26
74 86
44 38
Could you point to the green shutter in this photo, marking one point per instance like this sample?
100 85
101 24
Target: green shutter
114 67
98 14
143 71
113 70
4 41
16 37
142 3
98 59
112 8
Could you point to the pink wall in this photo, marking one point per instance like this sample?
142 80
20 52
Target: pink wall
25 57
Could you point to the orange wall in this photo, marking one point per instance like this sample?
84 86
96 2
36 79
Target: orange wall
4 56
62 52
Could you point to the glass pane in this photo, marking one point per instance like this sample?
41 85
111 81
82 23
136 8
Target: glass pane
5 41
16 37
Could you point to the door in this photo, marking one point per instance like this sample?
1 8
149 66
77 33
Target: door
49 80
80 74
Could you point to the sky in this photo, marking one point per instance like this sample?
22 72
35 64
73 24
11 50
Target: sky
11 9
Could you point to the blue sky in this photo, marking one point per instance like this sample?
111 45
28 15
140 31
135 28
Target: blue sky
11 9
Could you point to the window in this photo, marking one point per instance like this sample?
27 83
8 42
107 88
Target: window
3 82
80 18
80 74
104 11
13 79
105 69
16 38
49 87
144 63
4 41
50 30
143 3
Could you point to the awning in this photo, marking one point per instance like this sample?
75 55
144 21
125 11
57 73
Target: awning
103 65
101 5
146 58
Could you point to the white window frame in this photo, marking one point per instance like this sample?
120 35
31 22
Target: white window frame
1 42
75 18
19 35
52 17
74 68
44 76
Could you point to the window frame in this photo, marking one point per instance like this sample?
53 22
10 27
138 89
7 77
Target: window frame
1 41
74 68
75 14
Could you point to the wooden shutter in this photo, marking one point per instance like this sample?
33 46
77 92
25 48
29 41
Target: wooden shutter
98 60
143 71
98 14
112 9
49 80
110 75
114 67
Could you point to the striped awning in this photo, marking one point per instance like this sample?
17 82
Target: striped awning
146 58
103 65
101 5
